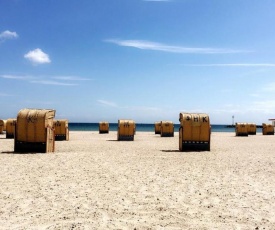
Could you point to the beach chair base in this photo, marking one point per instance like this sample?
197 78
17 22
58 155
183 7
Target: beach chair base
25 147
269 133
103 131
157 132
167 134
125 138
252 133
9 135
61 137
194 146
241 134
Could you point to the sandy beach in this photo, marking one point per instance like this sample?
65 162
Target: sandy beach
96 182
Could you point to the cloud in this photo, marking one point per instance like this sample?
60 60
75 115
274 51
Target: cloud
71 78
16 77
8 35
234 65
269 87
45 82
108 103
148 45
37 56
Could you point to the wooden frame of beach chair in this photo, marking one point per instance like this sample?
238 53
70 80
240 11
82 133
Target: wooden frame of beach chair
166 129
103 127
241 129
157 127
10 128
126 130
61 129
268 129
34 131
194 132
251 128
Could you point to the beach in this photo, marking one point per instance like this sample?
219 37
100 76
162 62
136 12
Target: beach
94 181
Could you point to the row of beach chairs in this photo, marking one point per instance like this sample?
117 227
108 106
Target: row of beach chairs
35 130
245 129
194 132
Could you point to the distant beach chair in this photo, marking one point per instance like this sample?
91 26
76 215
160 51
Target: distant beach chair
268 129
61 129
166 129
34 131
126 130
10 128
251 129
157 127
194 132
103 127
3 126
241 129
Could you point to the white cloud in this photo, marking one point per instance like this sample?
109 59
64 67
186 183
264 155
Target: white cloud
37 56
45 82
108 103
148 45
8 35
269 87
71 78
16 77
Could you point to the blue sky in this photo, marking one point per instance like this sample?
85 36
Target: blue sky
135 59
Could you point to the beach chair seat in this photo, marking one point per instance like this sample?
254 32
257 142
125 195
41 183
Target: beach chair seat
34 131
157 127
267 129
61 129
126 130
194 132
241 129
10 128
166 129
251 128
103 127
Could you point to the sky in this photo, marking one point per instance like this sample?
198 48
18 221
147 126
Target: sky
146 60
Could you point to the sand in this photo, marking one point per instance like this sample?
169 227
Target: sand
96 182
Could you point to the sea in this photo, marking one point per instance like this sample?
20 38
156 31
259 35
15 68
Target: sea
144 127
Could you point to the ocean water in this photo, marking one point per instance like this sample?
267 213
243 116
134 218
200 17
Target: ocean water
142 127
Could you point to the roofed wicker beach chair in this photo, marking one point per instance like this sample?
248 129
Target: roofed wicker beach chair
241 129
194 132
268 129
166 129
157 127
61 129
34 131
126 130
251 128
3 126
103 127
10 128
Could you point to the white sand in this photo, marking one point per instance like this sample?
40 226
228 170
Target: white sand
96 182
